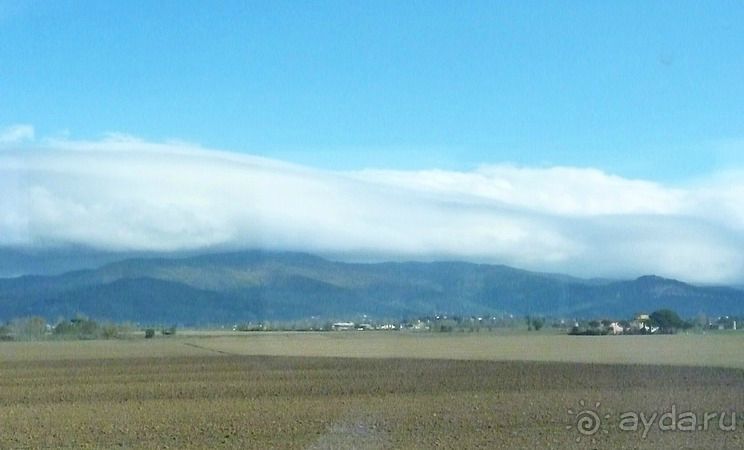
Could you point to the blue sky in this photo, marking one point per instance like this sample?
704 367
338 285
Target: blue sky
640 89
590 138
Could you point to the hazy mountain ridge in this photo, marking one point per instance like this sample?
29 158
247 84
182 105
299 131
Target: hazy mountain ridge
257 285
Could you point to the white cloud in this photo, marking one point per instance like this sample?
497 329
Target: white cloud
122 193
15 134
558 190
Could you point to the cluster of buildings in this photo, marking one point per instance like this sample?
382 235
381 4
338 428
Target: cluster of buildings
349 326
641 324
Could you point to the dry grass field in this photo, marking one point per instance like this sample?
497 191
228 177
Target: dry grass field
724 350
401 391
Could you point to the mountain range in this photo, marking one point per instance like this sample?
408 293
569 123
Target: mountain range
258 285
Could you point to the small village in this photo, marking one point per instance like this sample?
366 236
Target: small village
663 321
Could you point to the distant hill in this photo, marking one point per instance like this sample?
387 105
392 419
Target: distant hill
257 285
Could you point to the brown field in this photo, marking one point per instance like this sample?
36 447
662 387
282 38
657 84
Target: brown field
409 391
720 350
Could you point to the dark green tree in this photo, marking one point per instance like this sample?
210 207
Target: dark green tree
667 320
537 323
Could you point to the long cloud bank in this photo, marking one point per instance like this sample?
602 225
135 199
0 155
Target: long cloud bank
126 194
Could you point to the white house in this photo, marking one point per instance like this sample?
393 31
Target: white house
343 326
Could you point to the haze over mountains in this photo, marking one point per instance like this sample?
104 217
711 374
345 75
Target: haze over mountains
257 285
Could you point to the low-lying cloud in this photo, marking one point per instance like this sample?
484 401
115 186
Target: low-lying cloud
16 133
124 194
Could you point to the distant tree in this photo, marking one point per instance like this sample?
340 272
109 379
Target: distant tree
701 321
28 327
109 331
534 323
6 333
149 333
667 320
79 327
88 329
444 326
537 323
